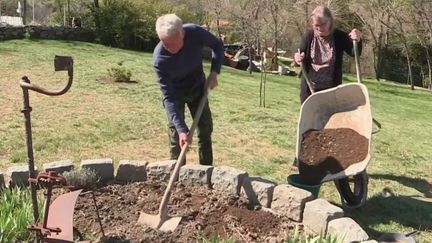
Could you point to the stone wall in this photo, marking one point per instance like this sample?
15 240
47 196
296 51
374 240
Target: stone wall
315 215
11 33
47 32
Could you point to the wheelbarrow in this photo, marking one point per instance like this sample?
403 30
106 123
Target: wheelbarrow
344 106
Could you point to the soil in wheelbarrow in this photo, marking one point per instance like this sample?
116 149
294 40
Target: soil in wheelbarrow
330 151
206 214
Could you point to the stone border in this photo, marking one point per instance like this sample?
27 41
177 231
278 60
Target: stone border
316 215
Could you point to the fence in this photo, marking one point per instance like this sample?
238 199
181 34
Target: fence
10 20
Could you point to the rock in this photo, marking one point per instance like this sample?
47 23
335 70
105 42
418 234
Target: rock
228 179
103 168
290 201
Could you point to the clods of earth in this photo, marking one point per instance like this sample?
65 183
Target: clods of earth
110 214
330 151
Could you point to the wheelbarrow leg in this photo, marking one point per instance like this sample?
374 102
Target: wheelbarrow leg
353 190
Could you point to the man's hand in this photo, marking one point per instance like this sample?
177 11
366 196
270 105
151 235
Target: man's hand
355 34
211 81
184 138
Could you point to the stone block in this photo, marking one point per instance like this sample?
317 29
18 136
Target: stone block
346 229
318 213
228 179
161 170
199 175
104 168
59 166
290 201
131 171
259 191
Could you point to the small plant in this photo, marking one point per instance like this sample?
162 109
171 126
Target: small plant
16 213
305 238
27 34
216 239
120 73
81 179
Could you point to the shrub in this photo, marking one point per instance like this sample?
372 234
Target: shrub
81 179
119 22
120 73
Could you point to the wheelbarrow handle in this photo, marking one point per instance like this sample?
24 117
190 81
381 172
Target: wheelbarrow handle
305 76
357 61
60 63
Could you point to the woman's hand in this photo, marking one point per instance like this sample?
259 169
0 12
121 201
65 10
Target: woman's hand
355 34
298 57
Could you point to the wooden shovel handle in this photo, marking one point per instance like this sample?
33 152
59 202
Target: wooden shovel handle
163 210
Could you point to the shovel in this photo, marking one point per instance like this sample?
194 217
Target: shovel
161 220
398 237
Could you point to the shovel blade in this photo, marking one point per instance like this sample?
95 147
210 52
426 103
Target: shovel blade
158 222
170 224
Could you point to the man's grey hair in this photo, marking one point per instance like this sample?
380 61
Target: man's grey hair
168 25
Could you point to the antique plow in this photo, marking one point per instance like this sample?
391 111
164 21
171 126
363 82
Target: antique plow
57 226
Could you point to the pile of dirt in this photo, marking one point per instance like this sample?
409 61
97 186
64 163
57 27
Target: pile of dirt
329 151
206 214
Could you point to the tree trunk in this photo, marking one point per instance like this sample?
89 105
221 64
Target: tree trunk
275 21
218 26
428 58
375 65
410 77
68 14
250 59
24 19
96 15
217 13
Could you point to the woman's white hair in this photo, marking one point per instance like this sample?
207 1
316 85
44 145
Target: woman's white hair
168 25
323 13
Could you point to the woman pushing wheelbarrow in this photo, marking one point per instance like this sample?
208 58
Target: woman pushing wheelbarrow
327 104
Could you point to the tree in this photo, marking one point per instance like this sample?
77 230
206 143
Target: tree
372 13
96 15
423 30
398 25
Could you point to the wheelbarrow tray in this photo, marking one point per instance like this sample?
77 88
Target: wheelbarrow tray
345 106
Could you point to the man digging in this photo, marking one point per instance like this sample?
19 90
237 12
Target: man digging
177 61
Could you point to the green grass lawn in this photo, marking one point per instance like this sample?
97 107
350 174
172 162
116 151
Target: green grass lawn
100 119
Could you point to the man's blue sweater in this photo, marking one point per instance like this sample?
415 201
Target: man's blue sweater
182 72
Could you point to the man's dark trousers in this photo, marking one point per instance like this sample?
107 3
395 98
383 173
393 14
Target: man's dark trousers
204 128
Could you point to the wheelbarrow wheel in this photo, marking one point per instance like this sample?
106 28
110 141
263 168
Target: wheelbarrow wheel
353 190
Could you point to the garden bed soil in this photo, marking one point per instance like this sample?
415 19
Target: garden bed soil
205 213
330 151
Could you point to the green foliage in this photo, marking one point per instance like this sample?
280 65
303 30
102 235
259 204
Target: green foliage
81 179
132 23
297 237
119 22
120 73
216 239
16 213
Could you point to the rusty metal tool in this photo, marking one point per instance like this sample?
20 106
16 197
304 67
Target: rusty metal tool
60 63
